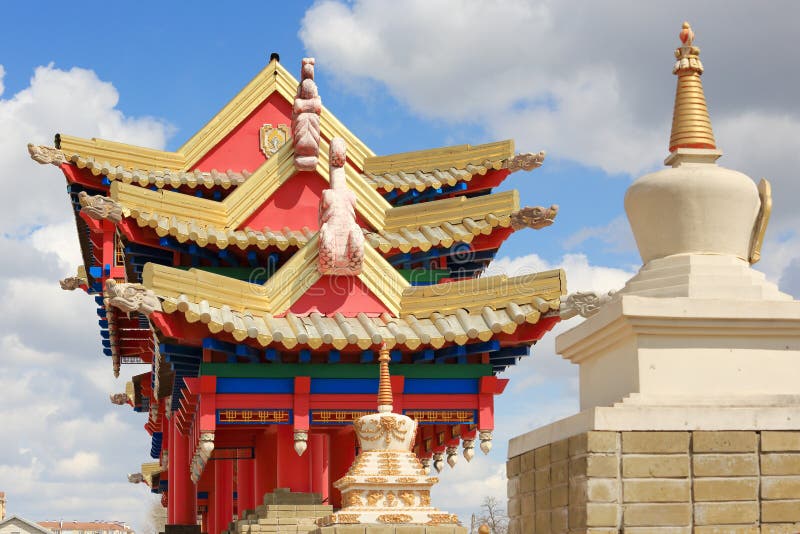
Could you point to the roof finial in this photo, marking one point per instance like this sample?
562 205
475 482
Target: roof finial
385 384
691 125
305 119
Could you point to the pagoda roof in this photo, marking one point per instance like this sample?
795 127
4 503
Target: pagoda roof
273 78
424 169
160 177
458 312
419 170
436 223
205 221
301 272
234 210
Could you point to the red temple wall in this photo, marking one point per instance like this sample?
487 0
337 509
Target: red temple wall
241 148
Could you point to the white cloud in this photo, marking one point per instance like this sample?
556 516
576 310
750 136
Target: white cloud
71 101
80 465
58 425
589 82
617 235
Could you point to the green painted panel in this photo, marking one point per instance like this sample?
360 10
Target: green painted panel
255 275
342 370
429 276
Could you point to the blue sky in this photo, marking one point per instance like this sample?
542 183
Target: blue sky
591 85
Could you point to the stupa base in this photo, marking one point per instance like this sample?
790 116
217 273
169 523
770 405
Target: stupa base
389 516
391 529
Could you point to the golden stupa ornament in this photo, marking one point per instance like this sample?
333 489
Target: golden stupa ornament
691 125
387 483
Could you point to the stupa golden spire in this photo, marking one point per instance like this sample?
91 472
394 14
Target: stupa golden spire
385 384
691 126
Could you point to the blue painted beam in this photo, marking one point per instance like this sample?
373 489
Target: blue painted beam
252 258
510 352
255 385
426 355
228 258
168 348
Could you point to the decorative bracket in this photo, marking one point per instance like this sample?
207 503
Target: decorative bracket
131 297
526 161
760 227
99 207
536 217
583 303
46 154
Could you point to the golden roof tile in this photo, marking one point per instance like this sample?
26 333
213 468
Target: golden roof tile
273 78
458 325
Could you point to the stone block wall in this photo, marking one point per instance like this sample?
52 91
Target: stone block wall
660 482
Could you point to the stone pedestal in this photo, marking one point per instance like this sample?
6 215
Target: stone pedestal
689 422
683 351
390 529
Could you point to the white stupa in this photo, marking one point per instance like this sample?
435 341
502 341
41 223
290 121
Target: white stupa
387 483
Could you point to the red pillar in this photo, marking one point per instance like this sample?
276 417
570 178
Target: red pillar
293 470
266 469
343 453
245 486
209 477
182 490
171 468
223 498
204 522
318 448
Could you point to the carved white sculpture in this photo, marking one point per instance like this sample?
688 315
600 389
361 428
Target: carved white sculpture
469 449
583 303
300 441
305 119
45 154
135 478
132 297
201 455
99 207
341 240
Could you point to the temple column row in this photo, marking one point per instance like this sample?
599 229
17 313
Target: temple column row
252 478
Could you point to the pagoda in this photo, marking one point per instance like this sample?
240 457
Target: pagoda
257 272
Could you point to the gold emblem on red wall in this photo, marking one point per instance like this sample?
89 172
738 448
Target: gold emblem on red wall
272 138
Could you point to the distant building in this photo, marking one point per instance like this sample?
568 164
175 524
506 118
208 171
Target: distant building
85 527
17 525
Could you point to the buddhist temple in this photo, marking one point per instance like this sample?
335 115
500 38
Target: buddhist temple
258 272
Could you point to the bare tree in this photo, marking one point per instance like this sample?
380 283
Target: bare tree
156 518
492 515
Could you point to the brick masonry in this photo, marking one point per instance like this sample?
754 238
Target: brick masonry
703 482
